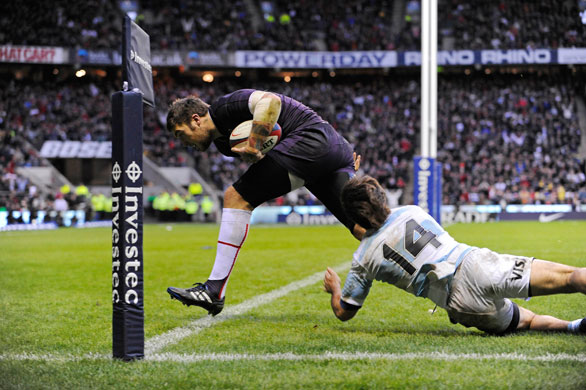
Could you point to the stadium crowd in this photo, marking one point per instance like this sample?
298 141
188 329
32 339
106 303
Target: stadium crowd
513 24
502 138
16 192
354 25
509 141
295 25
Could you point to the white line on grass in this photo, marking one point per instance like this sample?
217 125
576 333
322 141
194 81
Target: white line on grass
192 358
52 357
161 341
345 356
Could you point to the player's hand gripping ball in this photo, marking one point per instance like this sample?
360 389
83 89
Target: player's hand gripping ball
240 135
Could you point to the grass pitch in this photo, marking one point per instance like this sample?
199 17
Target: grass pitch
55 316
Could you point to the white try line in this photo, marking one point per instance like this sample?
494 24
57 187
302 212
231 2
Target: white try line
193 358
326 356
159 342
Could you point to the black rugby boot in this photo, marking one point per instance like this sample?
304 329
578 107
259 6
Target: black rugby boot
198 295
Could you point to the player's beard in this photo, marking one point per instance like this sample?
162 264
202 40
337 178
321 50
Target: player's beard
202 144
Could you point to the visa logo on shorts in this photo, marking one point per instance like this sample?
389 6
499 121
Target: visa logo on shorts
517 272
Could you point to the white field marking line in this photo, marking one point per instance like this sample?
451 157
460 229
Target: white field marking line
331 356
156 343
51 357
193 358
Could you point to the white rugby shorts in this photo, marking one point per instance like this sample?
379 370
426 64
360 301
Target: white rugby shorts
481 287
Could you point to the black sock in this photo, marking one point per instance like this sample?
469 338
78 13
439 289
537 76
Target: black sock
214 286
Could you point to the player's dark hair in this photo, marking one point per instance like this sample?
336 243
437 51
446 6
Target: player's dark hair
365 202
181 110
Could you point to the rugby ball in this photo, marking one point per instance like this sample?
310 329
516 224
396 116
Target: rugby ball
242 131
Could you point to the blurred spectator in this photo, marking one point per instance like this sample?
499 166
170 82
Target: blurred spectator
225 25
513 24
60 203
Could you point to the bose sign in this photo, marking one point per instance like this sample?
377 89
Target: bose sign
76 149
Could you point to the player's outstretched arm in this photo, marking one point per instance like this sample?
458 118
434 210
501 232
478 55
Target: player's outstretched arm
332 286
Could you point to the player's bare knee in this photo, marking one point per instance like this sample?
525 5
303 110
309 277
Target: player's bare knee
577 279
233 200
526 316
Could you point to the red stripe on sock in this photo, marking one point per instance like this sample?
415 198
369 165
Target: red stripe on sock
233 261
227 243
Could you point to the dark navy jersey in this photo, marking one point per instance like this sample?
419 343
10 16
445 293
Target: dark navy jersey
230 110
309 147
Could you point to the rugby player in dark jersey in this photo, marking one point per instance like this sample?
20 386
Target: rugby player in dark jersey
310 153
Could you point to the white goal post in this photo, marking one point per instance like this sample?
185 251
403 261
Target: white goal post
429 78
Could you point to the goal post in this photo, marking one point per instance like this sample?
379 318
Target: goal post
427 171
127 193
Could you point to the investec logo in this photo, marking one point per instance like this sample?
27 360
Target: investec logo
140 61
130 258
310 219
423 183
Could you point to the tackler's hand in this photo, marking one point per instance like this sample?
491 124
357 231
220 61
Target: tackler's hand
357 158
331 281
248 153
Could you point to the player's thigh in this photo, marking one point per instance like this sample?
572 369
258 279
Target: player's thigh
548 277
328 189
264 180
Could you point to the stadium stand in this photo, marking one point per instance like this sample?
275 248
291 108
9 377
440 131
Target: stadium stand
509 140
296 25
89 24
513 24
504 138
524 126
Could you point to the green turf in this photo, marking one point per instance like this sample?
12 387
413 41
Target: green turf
55 299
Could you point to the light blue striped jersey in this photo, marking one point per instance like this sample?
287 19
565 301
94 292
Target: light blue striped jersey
411 251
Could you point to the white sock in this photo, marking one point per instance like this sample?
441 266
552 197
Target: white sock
233 232
574 325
